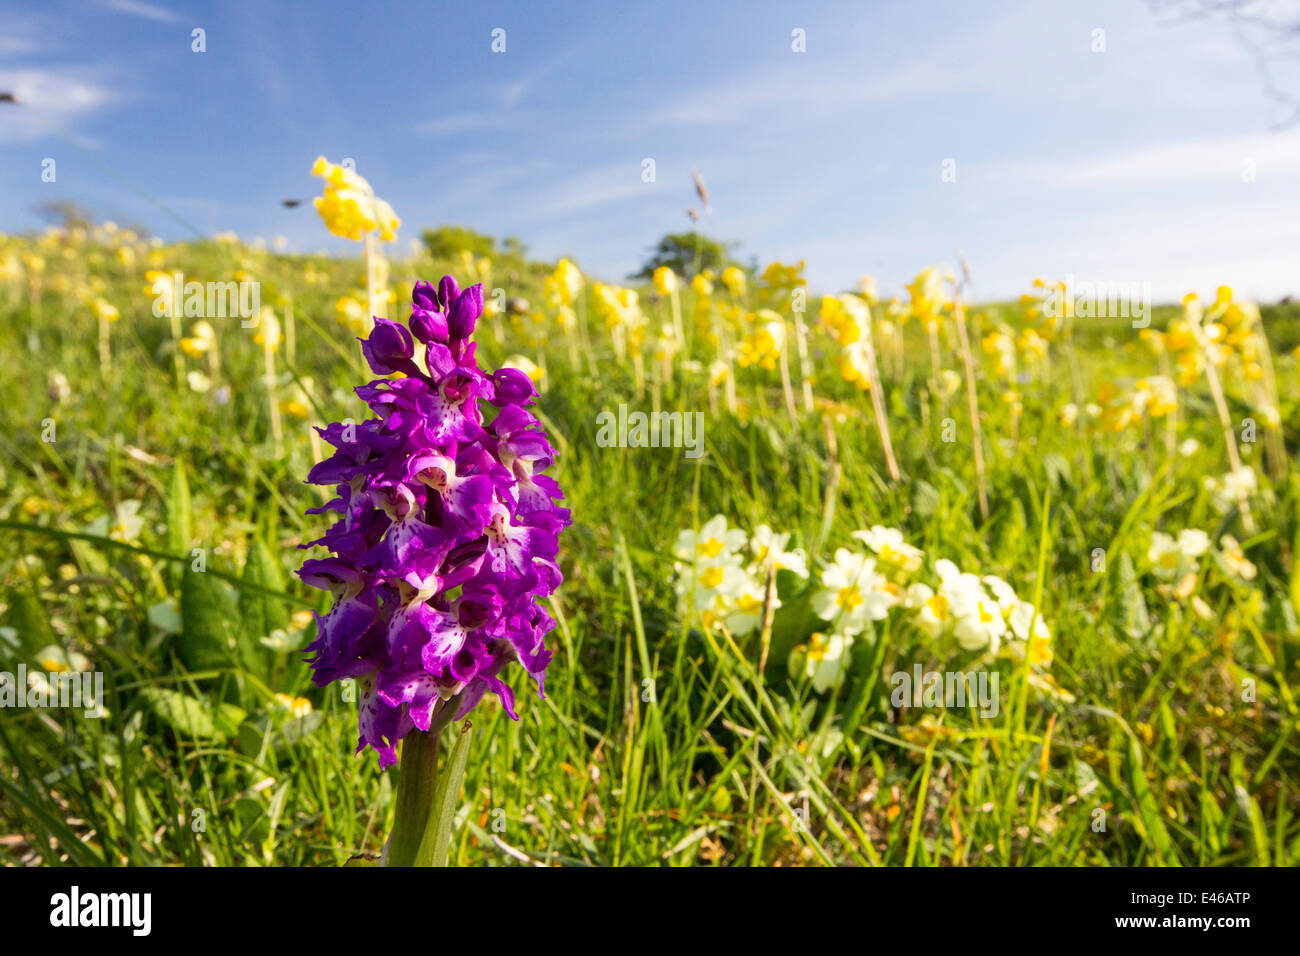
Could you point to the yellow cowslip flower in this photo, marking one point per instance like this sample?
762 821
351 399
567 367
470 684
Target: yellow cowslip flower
268 331
844 317
1179 336
1033 345
295 706
665 345
349 207
11 269
201 339
105 312
620 308
162 286
1156 396
763 346
1153 340
606 304
929 299
702 285
551 291
339 177
466 260
734 279
568 281
854 366
665 280
352 313
780 277
1003 347
295 408
848 320
298 405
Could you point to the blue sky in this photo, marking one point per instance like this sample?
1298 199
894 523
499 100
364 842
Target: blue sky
1125 165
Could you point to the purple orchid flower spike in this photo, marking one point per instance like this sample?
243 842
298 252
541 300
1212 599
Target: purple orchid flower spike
447 530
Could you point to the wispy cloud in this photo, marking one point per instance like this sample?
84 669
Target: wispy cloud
510 93
794 91
455 123
47 101
146 11
12 45
1186 162
592 188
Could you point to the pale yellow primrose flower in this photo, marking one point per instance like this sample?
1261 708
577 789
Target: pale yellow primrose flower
853 593
890 548
824 660
1234 558
1175 559
1232 489
769 548
978 622
933 612
714 543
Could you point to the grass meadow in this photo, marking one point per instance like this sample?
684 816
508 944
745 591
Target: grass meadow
152 505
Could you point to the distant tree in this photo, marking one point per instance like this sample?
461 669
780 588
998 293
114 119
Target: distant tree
448 241
70 215
65 213
687 253
513 246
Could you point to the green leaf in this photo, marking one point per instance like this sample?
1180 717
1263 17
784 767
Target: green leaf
1058 472
260 614
1137 619
1295 574
436 843
1149 824
1249 807
191 717
208 616
179 529
925 498
165 617
27 618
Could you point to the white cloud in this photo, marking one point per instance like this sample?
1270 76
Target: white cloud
47 102
796 94
146 11
12 45
599 186
454 123
1163 164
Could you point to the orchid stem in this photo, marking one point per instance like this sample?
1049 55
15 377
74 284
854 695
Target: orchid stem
425 802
